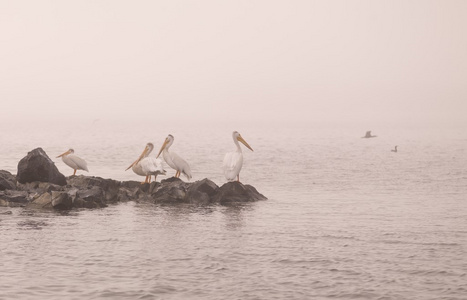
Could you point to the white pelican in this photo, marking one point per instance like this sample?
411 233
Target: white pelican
395 149
233 161
73 161
368 135
173 160
147 166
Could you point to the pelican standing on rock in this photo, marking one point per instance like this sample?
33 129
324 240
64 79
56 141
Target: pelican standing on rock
73 161
173 160
233 161
147 166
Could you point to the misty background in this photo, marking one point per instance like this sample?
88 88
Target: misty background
234 61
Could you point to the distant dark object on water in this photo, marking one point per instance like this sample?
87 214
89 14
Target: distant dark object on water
368 135
395 149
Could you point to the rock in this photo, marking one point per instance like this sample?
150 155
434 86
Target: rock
109 187
43 201
7 181
235 191
38 187
37 166
61 200
13 198
170 190
41 185
202 191
93 197
127 194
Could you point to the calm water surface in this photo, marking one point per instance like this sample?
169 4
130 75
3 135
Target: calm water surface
346 218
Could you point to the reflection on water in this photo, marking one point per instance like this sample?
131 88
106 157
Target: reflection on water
346 218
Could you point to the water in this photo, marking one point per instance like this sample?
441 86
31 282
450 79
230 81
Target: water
346 218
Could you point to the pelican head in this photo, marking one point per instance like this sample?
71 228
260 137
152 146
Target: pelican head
167 143
147 150
70 151
237 137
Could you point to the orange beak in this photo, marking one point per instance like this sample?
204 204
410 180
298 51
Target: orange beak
240 139
65 153
163 147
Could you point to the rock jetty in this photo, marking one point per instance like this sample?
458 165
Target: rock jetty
39 185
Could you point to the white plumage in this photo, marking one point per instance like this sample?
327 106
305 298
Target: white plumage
147 166
173 159
73 161
233 161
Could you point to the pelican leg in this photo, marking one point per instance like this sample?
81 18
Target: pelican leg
145 180
149 181
74 173
238 177
177 174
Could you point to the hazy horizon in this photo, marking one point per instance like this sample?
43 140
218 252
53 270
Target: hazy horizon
242 61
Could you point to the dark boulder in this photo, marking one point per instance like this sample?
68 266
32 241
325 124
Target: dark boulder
109 188
170 190
90 198
202 191
37 166
235 191
61 200
38 187
43 201
13 198
7 181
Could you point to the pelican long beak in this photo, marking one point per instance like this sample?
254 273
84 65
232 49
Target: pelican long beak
65 153
139 158
240 139
163 147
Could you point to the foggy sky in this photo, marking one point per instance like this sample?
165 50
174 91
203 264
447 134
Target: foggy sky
234 60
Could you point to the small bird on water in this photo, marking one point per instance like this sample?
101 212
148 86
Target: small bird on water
73 161
395 149
368 135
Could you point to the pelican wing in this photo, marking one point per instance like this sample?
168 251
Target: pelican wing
76 162
168 159
152 166
232 164
180 164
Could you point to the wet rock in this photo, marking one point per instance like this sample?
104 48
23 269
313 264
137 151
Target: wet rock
61 200
37 166
170 190
109 188
127 194
13 198
7 181
42 202
202 191
38 187
91 198
237 192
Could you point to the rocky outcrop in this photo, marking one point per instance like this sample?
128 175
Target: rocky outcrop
237 192
7 181
95 192
43 188
37 166
14 198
